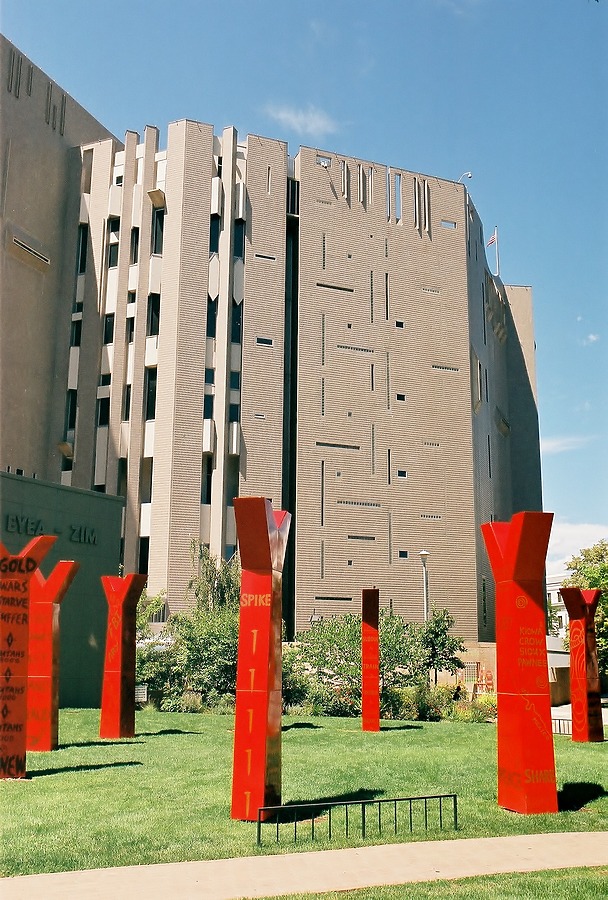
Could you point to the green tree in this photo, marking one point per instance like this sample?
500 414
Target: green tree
441 647
590 570
214 582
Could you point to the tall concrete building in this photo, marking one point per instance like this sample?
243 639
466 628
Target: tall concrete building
319 329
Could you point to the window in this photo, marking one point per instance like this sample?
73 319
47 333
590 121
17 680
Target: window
146 479
403 554
267 342
401 473
114 226
209 376
236 323
448 223
134 253
113 232
105 379
112 256
150 394
206 478
293 197
235 381
158 227
144 553
399 324
126 403
76 333
153 318
131 297
130 330
208 406
239 239
401 397
108 328
70 410
211 317
234 412
81 254
214 234
103 411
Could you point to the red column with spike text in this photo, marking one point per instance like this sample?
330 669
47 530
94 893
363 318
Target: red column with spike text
585 694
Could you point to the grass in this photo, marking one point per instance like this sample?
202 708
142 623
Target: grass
559 884
164 796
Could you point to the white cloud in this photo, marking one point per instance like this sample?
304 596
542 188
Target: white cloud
311 121
590 339
550 446
568 539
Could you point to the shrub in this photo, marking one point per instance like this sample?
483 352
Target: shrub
487 703
295 678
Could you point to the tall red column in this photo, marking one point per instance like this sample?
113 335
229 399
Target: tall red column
43 670
15 577
370 660
256 772
585 694
526 760
118 690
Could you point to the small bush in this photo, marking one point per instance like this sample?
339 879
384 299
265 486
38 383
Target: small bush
333 700
487 703
295 679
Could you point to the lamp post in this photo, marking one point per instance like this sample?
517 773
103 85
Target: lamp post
464 175
424 555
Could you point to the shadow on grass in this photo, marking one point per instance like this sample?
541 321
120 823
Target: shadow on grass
300 725
99 743
63 769
166 731
398 727
576 794
302 810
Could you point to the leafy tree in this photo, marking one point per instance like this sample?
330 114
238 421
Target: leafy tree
590 570
214 582
440 646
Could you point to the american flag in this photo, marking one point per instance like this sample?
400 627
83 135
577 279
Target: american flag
492 239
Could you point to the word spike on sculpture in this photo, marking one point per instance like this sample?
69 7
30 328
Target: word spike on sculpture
256 775
526 759
118 690
370 660
16 572
43 671
585 695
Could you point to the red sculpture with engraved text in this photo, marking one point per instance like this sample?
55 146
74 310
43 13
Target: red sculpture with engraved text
370 660
15 577
585 696
256 774
526 759
43 670
118 691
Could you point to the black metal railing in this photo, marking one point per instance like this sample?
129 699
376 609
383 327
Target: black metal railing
428 810
561 726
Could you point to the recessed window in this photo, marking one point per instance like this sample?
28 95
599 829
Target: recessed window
76 333
401 397
239 239
103 411
234 412
208 406
70 410
236 323
235 381
112 256
130 330
83 242
158 229
105 379
266 342
153 317
448 223
399 324
214 234
211 317
134 251
150 394
108 328
131 297
126 403
403 554
360 537
209 376
401 473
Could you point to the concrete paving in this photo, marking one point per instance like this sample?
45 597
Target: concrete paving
338 870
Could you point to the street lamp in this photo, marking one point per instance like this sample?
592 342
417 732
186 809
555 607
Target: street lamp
424 555
464 175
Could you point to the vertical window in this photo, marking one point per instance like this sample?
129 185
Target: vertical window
386 294
235 381
269 180
206 478
113 232
76 333
153 317
208 406
323 251
360 183
416 204
370 185
322 492
234 412
214 234
70 410
130 330
112 256
293 197
81 253
344 178
489 458
103 411
239 239
108 328
131 297
134 253
158 228
322 396
144 553
322 339
211 317
388 466
150 394
146 479
209 376
371 377
398 197
236 323
427 207
126 403
388 194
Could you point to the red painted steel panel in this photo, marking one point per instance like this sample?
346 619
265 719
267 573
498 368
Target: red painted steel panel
526 759
585 693
43 672
256 778
16 573
370 660
118 691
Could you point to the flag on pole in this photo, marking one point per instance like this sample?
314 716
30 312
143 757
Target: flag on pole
492 239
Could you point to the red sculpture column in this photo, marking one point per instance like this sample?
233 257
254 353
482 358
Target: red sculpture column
15 577
43 671
526 760
256 772
118 690
585 695
370 660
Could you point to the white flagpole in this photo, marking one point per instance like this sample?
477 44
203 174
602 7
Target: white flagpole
497 256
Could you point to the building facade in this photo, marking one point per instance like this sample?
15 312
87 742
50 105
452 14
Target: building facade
317 329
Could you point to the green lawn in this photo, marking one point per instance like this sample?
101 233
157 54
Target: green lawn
164 796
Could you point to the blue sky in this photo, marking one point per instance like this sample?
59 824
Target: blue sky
514 91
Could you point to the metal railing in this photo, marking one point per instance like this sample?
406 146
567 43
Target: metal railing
561 726
417 810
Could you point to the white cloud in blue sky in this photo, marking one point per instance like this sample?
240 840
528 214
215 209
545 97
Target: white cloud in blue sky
310 122
550 446
568 539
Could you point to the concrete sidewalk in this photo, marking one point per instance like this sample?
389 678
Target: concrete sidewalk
263 876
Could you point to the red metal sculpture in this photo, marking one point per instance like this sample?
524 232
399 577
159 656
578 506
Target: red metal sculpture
585 695
370 661
256 774
118 690
43 671
15 577
526 759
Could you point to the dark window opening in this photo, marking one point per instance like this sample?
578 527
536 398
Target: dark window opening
235 381
150 394
211 317
144 553
145 479
209 376
103 411
108 328
208 406
70 410
158 228
83 242
234 412
293 197
76 333
126 403
105 379
236 323
112 256
239 239
134 252
206 478
131 295
130 329
214 233
153 317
